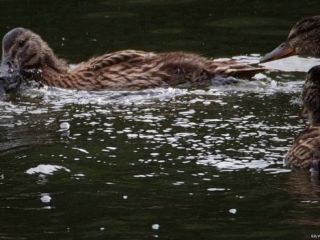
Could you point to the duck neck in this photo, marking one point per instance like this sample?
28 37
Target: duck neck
56 64
314 119
52 69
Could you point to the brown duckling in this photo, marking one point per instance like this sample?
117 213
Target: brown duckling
305 152
25 52
303 40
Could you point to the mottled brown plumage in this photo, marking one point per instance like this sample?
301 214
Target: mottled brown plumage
25 52
305 151
303 40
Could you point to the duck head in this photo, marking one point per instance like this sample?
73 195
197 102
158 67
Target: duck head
303 40
24 56
313 76
311 96
23 50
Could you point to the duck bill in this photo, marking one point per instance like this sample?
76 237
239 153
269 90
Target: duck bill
282 51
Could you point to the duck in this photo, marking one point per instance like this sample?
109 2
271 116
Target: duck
303 40
305 151
26 56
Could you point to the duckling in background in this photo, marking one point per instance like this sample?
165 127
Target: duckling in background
25 52
305 152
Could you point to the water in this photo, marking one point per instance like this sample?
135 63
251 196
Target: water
162 163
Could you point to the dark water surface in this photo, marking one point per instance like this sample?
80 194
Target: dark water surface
163 163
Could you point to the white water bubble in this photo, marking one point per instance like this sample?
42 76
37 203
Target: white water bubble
155 226
64 126
216 189
233 211
45 198
46 169
81 150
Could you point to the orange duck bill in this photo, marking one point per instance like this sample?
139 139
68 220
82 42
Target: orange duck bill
282 51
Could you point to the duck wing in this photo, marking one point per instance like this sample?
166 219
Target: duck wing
305 151
188 67
122 70
135 70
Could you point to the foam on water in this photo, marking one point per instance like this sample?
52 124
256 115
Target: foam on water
46 169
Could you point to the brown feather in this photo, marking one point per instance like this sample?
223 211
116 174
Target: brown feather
305 150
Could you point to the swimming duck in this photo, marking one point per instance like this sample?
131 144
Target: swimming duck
27 54
303 40
305 152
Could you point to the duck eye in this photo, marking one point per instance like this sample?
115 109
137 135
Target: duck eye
21 43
